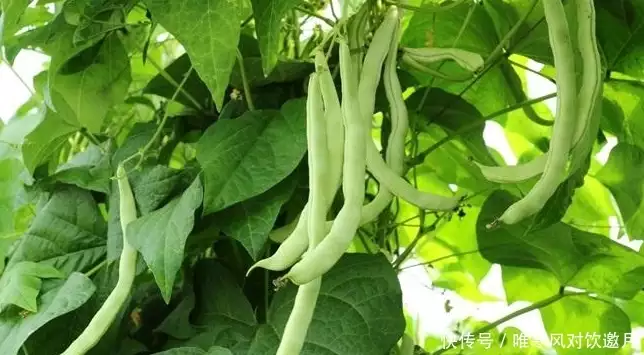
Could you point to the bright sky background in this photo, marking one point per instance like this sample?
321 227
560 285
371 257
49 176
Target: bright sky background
421 301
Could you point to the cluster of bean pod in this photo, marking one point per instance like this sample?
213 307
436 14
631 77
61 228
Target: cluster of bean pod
576 117
340 151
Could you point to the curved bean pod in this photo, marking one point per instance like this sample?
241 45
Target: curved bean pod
591 92
427 55
104 317
565 121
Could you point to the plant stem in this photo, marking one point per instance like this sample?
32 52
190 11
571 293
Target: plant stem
296 34
171 80
476 123
517 64
24 83
421 233
242 70
538 305
164 119
316 15
96 268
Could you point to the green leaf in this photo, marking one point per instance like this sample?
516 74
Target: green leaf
620 30
161 236
268 16
14 329
153 186
10 20
20 285
359 295
45 140
20 126
246 156
177 323
576 258
10 188
622 111
68 233
220 301
283 71
85 95
194 86
250 221
62 331
623 174
209 31
89 169
183 351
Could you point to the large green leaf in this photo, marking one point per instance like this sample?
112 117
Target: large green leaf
623 174
153 186
10 19
250 221
268 16
83 95
57 301
246 156
576 258
67 233
209 31
161 236
359 295
220 301
20 285
10 186
45 140
54 337
193 86
620 32
622 111
89 169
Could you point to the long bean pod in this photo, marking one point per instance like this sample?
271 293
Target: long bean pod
300 318
565 118
103 319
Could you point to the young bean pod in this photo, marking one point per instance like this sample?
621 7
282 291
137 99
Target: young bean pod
591 92
103 319
565 118
334 125
319 260
468 60
300 318
395 154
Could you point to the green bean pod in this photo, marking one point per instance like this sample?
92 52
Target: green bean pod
565 121
319 260
300 318
591 91
414 64
468 60
395 154
334 125
103 319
